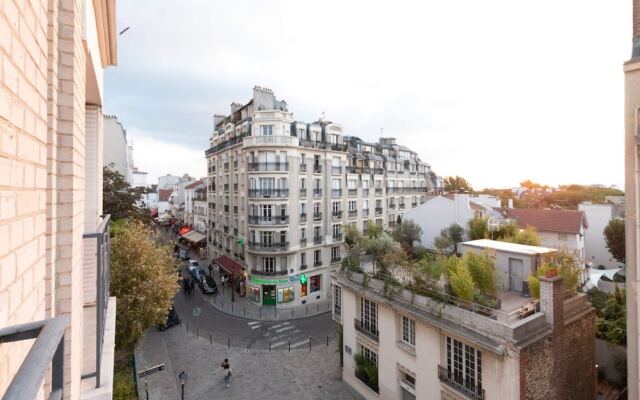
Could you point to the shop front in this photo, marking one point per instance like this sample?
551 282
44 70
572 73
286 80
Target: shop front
280 292
233 273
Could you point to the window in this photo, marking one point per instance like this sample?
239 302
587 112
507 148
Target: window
464 364
365 204
266 130
284 265
303 208
303 183
269 264
562 237
303 233
314 283
352 184
336 207
303 259
283 236
266 237
316 208
335 253
317 259
337 300
369 354
352 205
337 230
368 315
408 331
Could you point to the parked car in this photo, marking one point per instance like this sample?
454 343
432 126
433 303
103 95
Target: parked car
191 264
172 320
183 254
197 273
208 285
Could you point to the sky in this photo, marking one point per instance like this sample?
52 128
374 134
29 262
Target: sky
496 91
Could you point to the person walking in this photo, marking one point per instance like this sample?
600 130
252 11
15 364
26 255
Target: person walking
185 285
192 286
226 369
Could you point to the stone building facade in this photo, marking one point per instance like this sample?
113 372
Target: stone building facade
281 190
52 56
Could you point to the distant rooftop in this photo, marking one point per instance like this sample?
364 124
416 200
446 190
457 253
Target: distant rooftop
509 247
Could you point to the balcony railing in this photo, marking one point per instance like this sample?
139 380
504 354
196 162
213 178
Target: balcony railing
448 378
336 170
392 206
303 267
336 193
358 170
303 242
353 192
378 191
268 220
317 216
268 193
303 167
336 259
317 240
378 210
268 166
366 328
226 166
392 190
103 280
414 204
317 192
317 168
336 215
317 263
402 206
303 192
353 213
274 140
256 271
303 217
337 237
365 212
273 246
47 352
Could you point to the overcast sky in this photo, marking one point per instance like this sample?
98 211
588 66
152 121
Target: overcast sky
497 91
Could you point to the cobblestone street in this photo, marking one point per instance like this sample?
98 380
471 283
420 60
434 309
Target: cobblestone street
299 374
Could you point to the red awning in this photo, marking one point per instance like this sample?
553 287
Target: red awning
184 230
227 264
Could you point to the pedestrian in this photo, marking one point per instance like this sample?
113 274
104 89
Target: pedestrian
211 270
222 279
192 285
185 285
226 369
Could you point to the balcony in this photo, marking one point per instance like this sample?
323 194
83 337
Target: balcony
336 259
226 167
317 169
378 171
303 267
378 210
336 215
392 206
336 193
269 246
317 263
317 193
226 208
303 167
303 242
392 190
226 187
336 170
365 192
303 217
414 204
353 213
268 193
456 382
317 216
402 206
303 192
268 167
268 220
289 141
378 191
317 240
351 169
366 328
352 192
337 237
365 213
256 271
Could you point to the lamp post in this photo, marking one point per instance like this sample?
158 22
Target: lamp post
183 381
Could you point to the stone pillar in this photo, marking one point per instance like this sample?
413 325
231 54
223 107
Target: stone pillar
552 301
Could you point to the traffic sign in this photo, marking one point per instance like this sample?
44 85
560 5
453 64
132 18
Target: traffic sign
150 371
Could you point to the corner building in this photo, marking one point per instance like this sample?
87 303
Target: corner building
280 191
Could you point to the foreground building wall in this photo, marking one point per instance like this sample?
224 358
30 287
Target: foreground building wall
52 55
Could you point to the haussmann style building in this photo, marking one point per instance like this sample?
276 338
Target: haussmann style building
281 190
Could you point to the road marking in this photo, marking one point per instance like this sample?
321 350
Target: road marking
278 325
254 322
296 331
277 344
256 327
278 337
286 328
299 343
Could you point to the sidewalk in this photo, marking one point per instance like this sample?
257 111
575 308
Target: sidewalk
244 308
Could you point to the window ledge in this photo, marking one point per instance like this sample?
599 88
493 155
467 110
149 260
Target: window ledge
406 347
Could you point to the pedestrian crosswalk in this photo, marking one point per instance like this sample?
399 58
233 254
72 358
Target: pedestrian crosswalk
280 335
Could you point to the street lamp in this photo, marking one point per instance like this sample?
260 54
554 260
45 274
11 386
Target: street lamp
183 381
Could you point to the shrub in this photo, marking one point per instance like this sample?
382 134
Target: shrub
483 271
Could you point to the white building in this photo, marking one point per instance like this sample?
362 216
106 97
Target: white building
177 200
139 178
440 212
595 245
200 205
164 198
189 197
168 181
117 154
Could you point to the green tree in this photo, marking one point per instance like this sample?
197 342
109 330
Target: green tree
143 280
407 233
120 199
611 315
373 230
376 247
614 237
449 238
565 263
482 268
457 184
528 236
460 278
427 271
478 228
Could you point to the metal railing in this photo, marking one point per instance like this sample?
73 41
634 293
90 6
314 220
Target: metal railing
103 273
365 212
303 242
256 271
269 166
353 213
336 192
378 210
353 192
366 328
317 169
317 216
336 170
471 391
303 217
268 193
266 220
365 192
317 192
336 214
337 237
378 191
46 353
269 246
303 167
303 192
317 240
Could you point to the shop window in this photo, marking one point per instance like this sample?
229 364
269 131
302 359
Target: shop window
254 293
285 295
314 283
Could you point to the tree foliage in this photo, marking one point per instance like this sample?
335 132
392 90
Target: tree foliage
528 236
565 263
121 200
459 278
377 246
482 268
457 184
449 238
143 280
611 315
373 230
614 237
407 233
478 228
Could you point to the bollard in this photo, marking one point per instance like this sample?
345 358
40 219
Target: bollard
292 311
306 309
187 327
244 310
309 343
275 310
289 344
231 308
228 343
260 312
318 308
211 340
197 333
269 345
327 340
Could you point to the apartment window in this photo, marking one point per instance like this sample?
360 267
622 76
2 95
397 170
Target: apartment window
369 354
337 300
316 208
266 237
407 384
269 264
335 253
352 205
303 259
368 315
317 259
317 184
337 230
303 208
365 204
408 331
303 183
266 130
464 364
284 264
352 184
335 207
303 233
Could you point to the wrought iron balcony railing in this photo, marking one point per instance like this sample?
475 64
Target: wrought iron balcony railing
268 220
268 193
269 246
450 379
353 192
268 166
366 328
256 271
336 193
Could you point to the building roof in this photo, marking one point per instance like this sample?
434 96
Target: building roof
194 184
164 194
562 221
508 247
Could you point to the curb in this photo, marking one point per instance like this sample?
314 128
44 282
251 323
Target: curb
213 305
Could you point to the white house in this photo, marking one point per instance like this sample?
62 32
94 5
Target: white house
164 195
596 250
167 181
189 196
440 212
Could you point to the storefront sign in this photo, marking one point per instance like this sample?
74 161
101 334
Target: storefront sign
293 278
262 281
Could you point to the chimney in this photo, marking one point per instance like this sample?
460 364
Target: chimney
552 301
